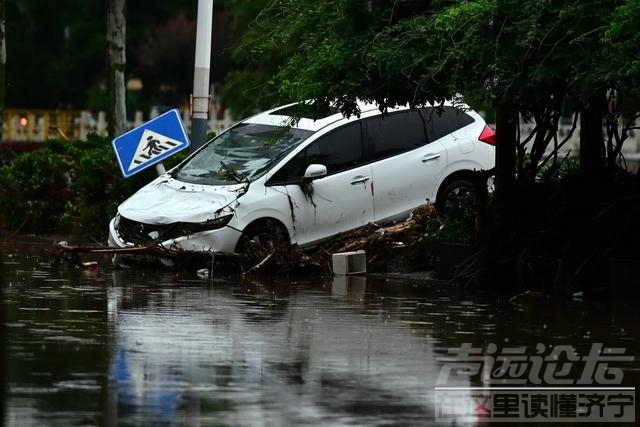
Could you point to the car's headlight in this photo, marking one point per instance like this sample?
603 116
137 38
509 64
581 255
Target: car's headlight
215 223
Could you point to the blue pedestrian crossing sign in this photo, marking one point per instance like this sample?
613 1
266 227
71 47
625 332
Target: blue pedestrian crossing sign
150 143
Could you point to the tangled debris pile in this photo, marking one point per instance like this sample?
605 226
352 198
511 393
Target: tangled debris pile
410 245
387 247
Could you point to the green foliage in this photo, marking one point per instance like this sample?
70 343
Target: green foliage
621 62
457 225
57 55
66 186
51 48
559 169
526 55
248 87
34 185
169 46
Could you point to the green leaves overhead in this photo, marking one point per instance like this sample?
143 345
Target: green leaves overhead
413 51
621 48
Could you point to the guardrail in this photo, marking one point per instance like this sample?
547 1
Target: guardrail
29 125
630 147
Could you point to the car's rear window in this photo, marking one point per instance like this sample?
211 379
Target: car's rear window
444 120
406 130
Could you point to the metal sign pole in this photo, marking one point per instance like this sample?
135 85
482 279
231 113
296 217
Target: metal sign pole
200 99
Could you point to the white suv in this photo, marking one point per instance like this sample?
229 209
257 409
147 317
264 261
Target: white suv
306 179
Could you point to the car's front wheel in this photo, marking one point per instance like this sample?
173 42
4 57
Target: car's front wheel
264 244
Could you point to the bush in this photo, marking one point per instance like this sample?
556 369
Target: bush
70 187
457 225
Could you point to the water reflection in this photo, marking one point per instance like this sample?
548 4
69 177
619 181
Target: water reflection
139 347
3 340
263 353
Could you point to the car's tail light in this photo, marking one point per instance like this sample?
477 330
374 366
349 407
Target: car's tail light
488 135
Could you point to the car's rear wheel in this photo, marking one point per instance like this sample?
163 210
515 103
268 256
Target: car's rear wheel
456 198
264 244
457 207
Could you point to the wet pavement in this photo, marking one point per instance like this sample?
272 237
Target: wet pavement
144 347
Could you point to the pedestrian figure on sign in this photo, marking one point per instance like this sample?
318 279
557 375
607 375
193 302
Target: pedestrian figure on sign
152 146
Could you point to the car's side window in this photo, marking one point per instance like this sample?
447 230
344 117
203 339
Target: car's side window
339 150
290 173
395 133
443 120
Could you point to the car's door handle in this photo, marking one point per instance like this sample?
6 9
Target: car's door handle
429 157
359 179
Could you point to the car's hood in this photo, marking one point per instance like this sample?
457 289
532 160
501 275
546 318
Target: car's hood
165 201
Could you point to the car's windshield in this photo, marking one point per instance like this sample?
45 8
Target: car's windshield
243 153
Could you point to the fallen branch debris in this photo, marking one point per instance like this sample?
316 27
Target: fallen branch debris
382 243
63 252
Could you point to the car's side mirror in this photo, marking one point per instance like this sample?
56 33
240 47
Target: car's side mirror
314 171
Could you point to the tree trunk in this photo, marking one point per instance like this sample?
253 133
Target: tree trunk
3 64
506 135
495 236
116 47
591 141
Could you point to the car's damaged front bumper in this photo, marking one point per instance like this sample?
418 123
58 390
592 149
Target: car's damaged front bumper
171 243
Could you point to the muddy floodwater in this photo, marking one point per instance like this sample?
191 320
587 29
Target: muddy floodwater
142 347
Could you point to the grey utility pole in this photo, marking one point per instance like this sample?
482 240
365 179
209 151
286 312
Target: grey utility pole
117 60
200 99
